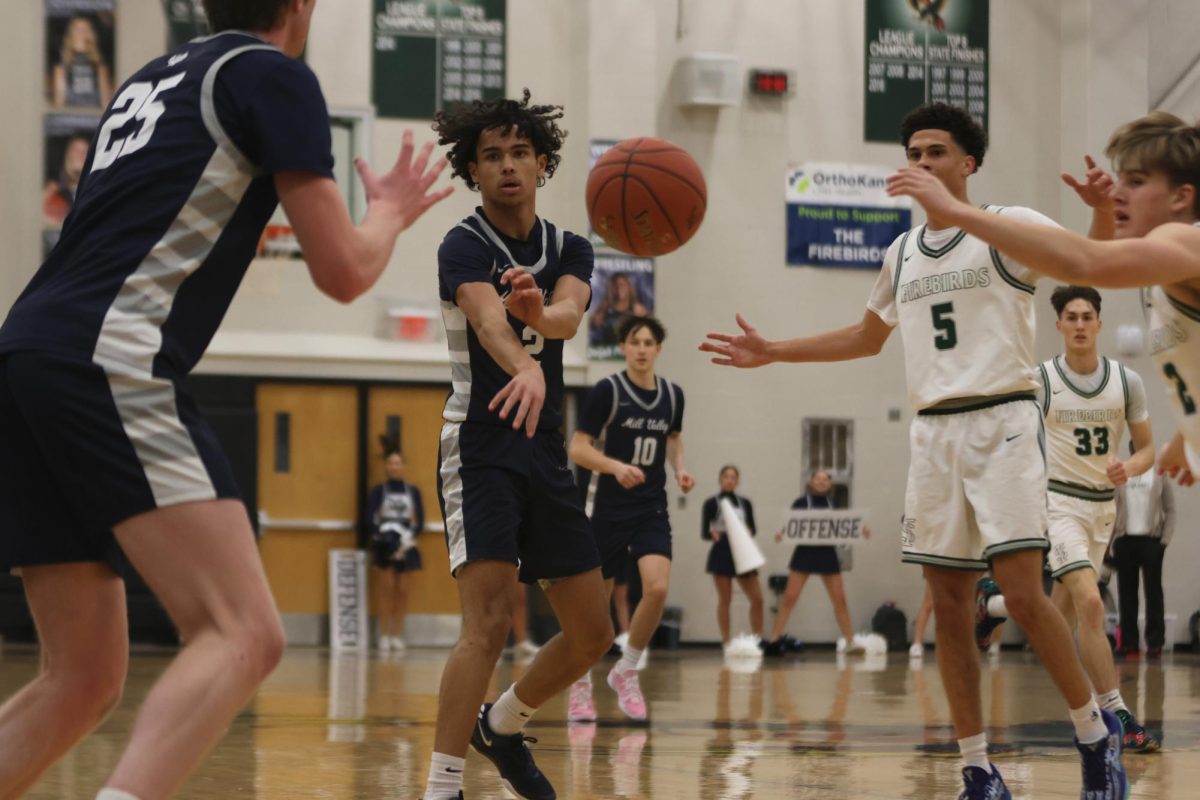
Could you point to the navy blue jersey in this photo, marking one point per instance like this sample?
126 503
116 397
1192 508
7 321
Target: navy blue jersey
631 424
174 196
475 252
396 501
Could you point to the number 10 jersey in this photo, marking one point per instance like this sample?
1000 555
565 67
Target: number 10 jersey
632 425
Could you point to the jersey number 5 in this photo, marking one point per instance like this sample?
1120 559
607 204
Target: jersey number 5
947 335
139 101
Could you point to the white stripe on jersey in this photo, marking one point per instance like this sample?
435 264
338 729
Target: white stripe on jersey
1175 347
452 494
1083 429
459 401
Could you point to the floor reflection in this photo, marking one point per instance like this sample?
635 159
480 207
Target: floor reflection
814 726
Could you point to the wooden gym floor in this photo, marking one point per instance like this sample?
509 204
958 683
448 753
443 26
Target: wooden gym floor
810 726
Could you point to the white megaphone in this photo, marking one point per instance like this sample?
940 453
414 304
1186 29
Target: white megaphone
746 555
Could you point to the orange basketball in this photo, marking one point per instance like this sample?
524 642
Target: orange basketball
646 196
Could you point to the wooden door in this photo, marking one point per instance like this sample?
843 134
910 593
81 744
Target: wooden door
417 413
307 493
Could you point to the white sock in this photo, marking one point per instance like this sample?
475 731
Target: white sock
1111 701
509 714
445 777
1089 725
115 794
996 607
629 659
586 678
974 752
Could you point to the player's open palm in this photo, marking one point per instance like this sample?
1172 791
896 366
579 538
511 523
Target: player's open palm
746 350
403 193
1096 188
524 299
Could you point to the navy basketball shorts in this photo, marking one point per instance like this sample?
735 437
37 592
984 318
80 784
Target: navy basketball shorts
506 497
627 540
82 450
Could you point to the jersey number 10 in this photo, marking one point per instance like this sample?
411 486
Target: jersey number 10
644 450
139 101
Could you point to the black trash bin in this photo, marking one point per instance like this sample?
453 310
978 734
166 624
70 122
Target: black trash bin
666 637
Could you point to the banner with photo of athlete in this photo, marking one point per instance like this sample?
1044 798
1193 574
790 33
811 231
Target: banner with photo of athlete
621 285
67 139
839 215
80 42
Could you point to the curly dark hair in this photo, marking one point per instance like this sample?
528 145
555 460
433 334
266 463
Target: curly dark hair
461 126
1065 294
962 127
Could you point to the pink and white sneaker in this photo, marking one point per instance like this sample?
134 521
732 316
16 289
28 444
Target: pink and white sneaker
629 693
580 707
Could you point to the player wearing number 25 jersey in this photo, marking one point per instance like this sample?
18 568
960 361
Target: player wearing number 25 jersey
177 187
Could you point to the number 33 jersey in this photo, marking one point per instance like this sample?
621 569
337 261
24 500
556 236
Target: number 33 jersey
475 252
965 311
174 195
1085 421
631 424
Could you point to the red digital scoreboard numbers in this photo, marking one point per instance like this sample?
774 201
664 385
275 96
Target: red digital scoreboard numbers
769 82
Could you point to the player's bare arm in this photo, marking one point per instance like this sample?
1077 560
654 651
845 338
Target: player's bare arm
1119 472
526 392
675 459
750 349
1168 255
345 259
560 319
583 451
1095 190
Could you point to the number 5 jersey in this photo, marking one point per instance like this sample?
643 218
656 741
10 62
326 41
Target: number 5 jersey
965 311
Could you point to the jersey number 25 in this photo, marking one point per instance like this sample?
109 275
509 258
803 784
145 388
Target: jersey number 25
138 101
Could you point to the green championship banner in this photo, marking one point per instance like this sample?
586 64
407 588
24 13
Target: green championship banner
430 54
923 51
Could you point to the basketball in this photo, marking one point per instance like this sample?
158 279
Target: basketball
646 196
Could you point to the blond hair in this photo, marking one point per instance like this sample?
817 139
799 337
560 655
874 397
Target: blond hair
1159 142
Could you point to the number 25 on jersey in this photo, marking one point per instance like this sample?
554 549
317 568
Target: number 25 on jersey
138 101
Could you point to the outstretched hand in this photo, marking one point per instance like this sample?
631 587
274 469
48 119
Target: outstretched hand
403 192
746 350
524 300
1097 186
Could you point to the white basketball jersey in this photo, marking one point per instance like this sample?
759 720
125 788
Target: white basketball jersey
966 314
1175 347
1083 428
